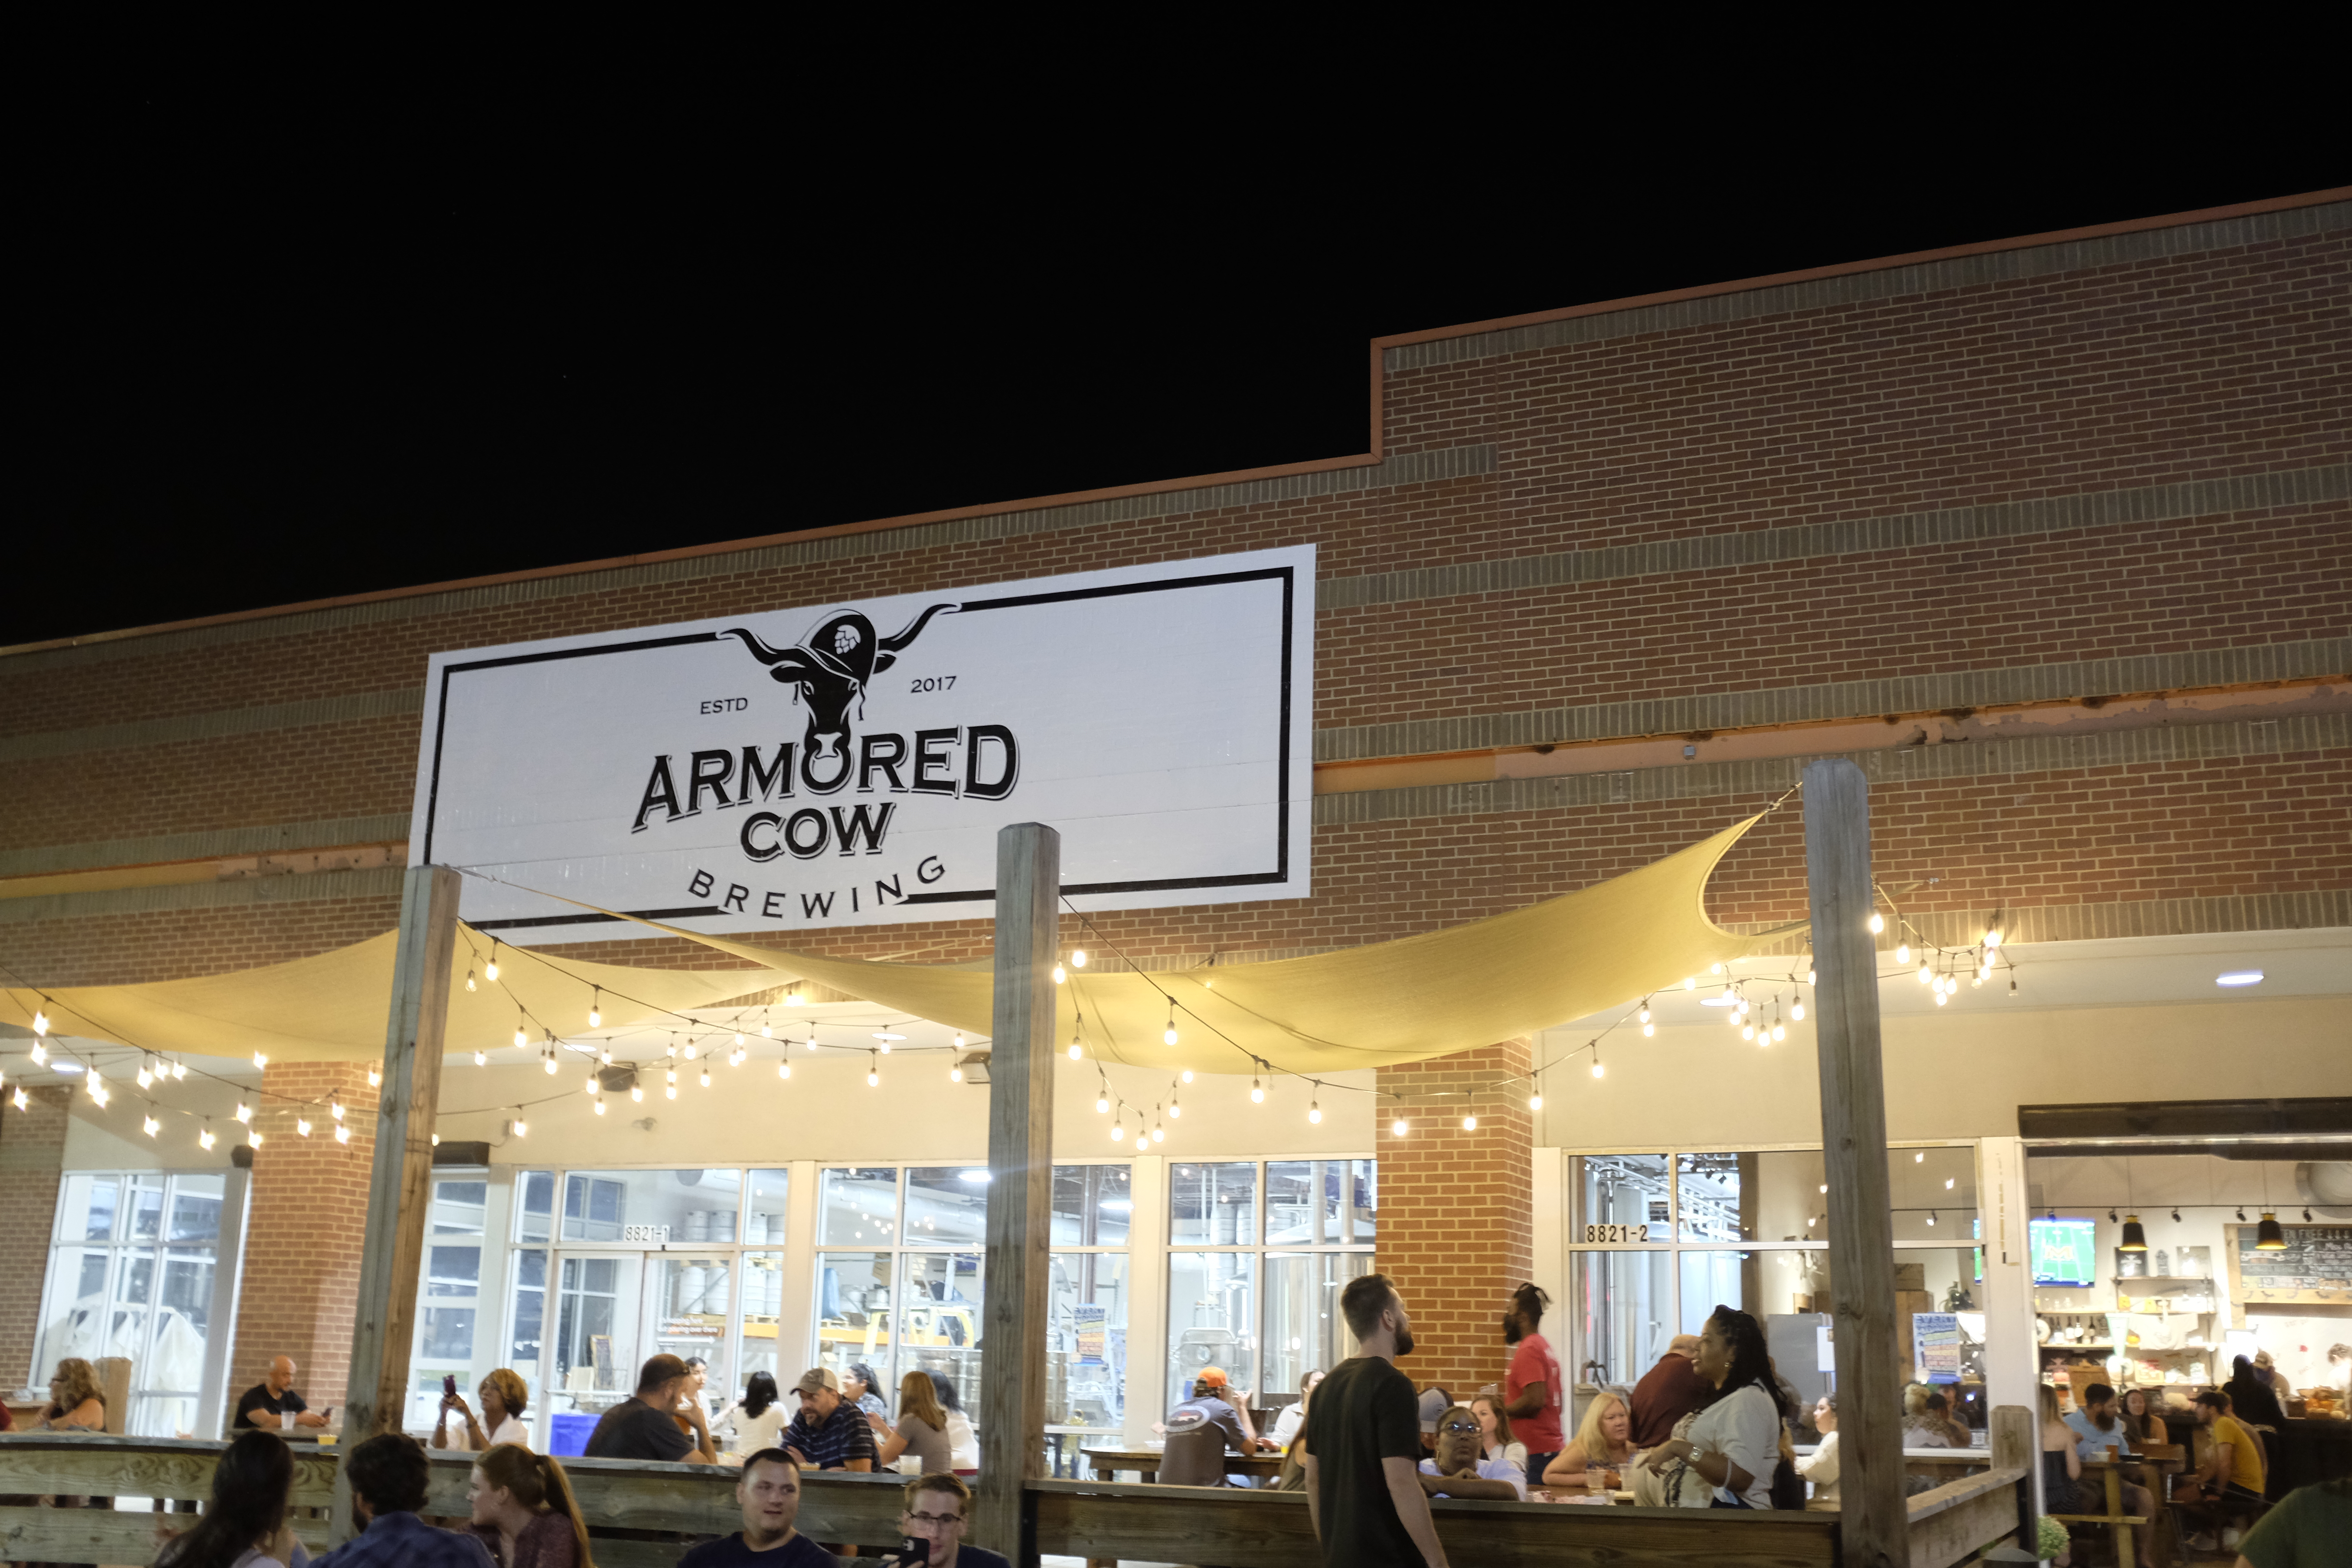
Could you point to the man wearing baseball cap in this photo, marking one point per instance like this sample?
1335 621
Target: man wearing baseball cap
1214 1404
830 1433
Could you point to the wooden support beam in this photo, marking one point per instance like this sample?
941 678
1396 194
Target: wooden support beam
399 1186
1020 1188
1873 1525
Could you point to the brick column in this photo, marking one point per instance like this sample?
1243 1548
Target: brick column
32 1156
304 1231
1458 1232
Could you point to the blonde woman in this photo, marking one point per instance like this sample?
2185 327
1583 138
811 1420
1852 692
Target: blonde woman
75 1403
1603 1442
922 1429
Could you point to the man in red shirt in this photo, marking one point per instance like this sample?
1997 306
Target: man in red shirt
1668 1392
1531 1388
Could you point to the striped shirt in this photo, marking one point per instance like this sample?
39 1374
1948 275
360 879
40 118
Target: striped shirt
832 1443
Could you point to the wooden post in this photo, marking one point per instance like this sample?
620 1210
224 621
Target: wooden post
1874 1524
1020 1188
399 1186
2014 1445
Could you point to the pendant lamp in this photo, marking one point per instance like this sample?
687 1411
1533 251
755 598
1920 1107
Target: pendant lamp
2268 1237
2135 1236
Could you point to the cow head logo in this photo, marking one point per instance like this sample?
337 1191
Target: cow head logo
829 668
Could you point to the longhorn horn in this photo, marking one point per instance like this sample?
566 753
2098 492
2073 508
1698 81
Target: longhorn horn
760 650
913 628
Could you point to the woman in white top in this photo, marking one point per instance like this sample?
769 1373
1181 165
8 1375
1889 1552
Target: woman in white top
1733 1446
753 1422
1820 1465
1292 1415
963 1443
504 1399
1494 1439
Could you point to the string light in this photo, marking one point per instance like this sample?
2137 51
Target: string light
784 1066
551 1060
180 1071
470 978
600 1105
767 1030
596 1081
1925 972
21 1102
1257 1090
636 1093
1690 982
146 1078
1649 1030
375 1075
342 1133
302 1126
481 1058
260 1059
873 1072
1167 1036
151 1126
692 1050
886 1037
1796 1011
1470 1124
1159 1133
1877 922
792 998
1315 1105
1117 1132
522 1128
40 1053
1902 953
955 1073
1645 1009
40 1022
1994 936
1060 974
1535 1100
671 1088
335 1108
253 1138
204 1138
596 1009
490 970
98 1090
706 1076
605 1056
1931 1216
244 1112
1102 1103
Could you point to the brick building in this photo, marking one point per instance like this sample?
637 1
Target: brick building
2049 535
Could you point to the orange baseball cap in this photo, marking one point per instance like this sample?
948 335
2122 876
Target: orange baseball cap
1214 1376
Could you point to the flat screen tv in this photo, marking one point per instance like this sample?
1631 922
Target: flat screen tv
2066 1251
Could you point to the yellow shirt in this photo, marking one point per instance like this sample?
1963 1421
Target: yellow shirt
2245 1451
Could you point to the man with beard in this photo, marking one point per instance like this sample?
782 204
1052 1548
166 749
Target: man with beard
1531 1388
1361 1447
2099 1435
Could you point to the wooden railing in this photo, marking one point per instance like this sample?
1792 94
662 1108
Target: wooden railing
643 1515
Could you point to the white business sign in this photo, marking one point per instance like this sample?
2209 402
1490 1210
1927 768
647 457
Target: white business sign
850 763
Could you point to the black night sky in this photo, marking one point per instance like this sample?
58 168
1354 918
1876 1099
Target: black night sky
285 349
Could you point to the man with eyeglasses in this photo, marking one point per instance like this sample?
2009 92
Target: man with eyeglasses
934 1519
770 1496
1460 1469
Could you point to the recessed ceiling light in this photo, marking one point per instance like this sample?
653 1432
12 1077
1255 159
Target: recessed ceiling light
2240 977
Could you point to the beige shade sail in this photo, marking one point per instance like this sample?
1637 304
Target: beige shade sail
1421 997
333 1007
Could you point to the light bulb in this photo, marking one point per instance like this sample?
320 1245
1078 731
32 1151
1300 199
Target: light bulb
1159 1133
1174 1110
637 1093
671 1090
40 1053
767 1032
253 1139
1690 982
205 1139
470 979
596 1013
550 1064
600 1107
738 1036
261 1058
1919 1157
1534 1102
522 1037
20 1101
145 1078
1812 977
335 1108
705 1078
1645 1011
692 1050
955 1075
1948 1183
1314 1111
792 998
1060 974
151 1126
1994 937
376 1076
672 1073
98 1090
1117 1132
1257 1092
1748 1031
593 1084
1931 1216
1925 974
1877 922
1779 1031
481 1058
1714 969
1798 1012
1941 998
873 1080
40 1022
302 1126
605 1056
1648 1030
1102 1103
1902 953
522 1128
490 970
1596 1067
784 1069
180 1071
244 1112
1469 1124
1078 958
1399 1128
1167 1036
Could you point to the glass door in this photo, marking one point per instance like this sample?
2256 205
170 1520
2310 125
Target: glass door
599 1332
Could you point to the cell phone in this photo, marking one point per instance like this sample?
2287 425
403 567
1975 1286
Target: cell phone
450 1386
912 1548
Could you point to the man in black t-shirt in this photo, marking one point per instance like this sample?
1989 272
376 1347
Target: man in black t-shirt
770 1496
273 1406
1362 1449
646 1427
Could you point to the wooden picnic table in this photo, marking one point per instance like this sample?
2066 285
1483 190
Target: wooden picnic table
2111 1477
1145 1462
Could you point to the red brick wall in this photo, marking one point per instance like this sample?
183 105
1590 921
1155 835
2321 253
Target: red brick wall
304 1231
32 1153
1456 1233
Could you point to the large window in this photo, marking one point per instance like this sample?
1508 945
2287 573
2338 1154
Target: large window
130 1273
1657 1239
1258 1252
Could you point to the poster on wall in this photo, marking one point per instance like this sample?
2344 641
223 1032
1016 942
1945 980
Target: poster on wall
1936 1346
1091 1319
850 763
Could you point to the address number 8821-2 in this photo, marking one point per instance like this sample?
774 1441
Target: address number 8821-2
1610 1234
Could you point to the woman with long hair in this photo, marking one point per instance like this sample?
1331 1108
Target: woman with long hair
1494 1439
2140 1423
523 1510
751 1423
1293 1417
858 1387
1731 1451
963 1443
248 1522
76 1403
922 1429
1603 1441
1820 1465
